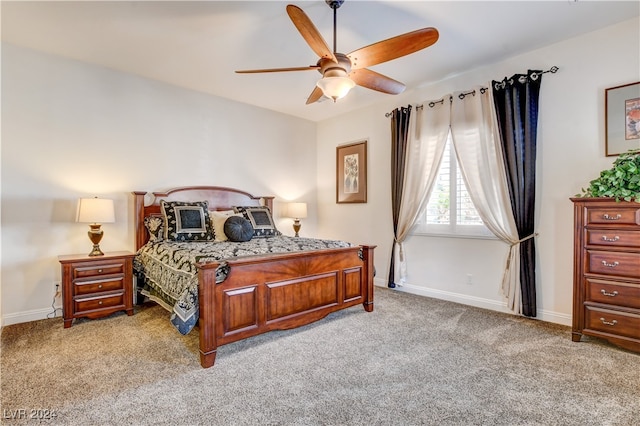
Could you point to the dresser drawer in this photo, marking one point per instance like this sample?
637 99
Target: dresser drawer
97 286
612 293
86 271
613 237
613 215
613 322
99 302
621 264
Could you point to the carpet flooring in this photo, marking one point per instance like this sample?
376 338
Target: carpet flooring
413 361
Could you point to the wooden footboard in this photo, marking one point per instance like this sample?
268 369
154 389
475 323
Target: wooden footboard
265 293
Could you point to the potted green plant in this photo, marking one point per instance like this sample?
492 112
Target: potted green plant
622 181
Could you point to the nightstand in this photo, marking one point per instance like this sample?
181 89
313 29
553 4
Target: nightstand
97 286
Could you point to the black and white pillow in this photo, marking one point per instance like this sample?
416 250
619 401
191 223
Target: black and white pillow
184 221
261 220
154 225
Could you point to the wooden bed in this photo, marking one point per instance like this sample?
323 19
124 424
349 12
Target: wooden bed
264 293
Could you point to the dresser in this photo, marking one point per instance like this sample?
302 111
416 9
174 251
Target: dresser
96 286
606 287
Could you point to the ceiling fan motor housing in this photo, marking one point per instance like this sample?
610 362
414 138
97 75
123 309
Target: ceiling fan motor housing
329 68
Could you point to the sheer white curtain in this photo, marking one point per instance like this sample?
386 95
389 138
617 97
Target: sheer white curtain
428 130
476 138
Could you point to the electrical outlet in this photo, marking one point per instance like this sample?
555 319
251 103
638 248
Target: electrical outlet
469 279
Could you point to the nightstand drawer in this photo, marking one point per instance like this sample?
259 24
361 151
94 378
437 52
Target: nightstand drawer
99 269
613 293
98 286
99 302
613 263
613 322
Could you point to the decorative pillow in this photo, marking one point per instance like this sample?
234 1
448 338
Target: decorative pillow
261 220
218 219
238 229
155 228
186 221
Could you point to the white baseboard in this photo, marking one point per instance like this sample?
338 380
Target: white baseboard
479 302
27 316
543 315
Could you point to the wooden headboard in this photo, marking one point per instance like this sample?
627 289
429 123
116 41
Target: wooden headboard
219 198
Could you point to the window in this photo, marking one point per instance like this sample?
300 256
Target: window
450 211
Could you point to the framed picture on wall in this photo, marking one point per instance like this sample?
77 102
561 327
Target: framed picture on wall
351 173
622 118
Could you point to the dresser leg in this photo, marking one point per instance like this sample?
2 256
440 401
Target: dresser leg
576 336
67 323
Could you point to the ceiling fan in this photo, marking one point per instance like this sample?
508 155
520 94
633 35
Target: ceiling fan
340 72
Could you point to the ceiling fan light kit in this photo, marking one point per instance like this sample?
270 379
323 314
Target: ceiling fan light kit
335 87
340 72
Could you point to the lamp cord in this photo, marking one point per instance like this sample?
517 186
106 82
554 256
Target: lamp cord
52 314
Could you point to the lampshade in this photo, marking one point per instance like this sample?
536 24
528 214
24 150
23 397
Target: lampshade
297 210
95 210
335 84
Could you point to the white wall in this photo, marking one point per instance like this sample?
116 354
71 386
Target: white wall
571 152
73 130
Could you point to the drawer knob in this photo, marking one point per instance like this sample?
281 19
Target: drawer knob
100 286
605 322
616 217
99 271
610 265
611 240
614 294
100 302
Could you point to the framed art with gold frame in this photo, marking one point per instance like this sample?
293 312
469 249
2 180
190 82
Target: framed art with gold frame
351 173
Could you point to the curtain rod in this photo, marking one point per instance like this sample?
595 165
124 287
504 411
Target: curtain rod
554 69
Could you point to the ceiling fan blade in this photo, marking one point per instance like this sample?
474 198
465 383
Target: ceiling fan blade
375 81
309 32
310 67
393 48
314 96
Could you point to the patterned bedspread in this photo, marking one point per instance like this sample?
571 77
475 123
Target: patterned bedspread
168 275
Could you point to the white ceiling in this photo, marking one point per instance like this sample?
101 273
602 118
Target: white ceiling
198 45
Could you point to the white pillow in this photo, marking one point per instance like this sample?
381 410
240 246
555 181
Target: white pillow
218 218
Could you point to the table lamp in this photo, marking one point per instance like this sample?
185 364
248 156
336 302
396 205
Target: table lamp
95 211
297 211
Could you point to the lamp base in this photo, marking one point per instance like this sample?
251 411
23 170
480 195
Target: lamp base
95 235
96 251
297 226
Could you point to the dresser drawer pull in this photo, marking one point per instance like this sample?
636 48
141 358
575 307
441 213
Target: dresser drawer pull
100 303
616 217
614 294
99 271
611 240
610 265
605 322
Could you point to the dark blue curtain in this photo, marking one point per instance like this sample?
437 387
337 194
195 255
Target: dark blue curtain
399 135
516 103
